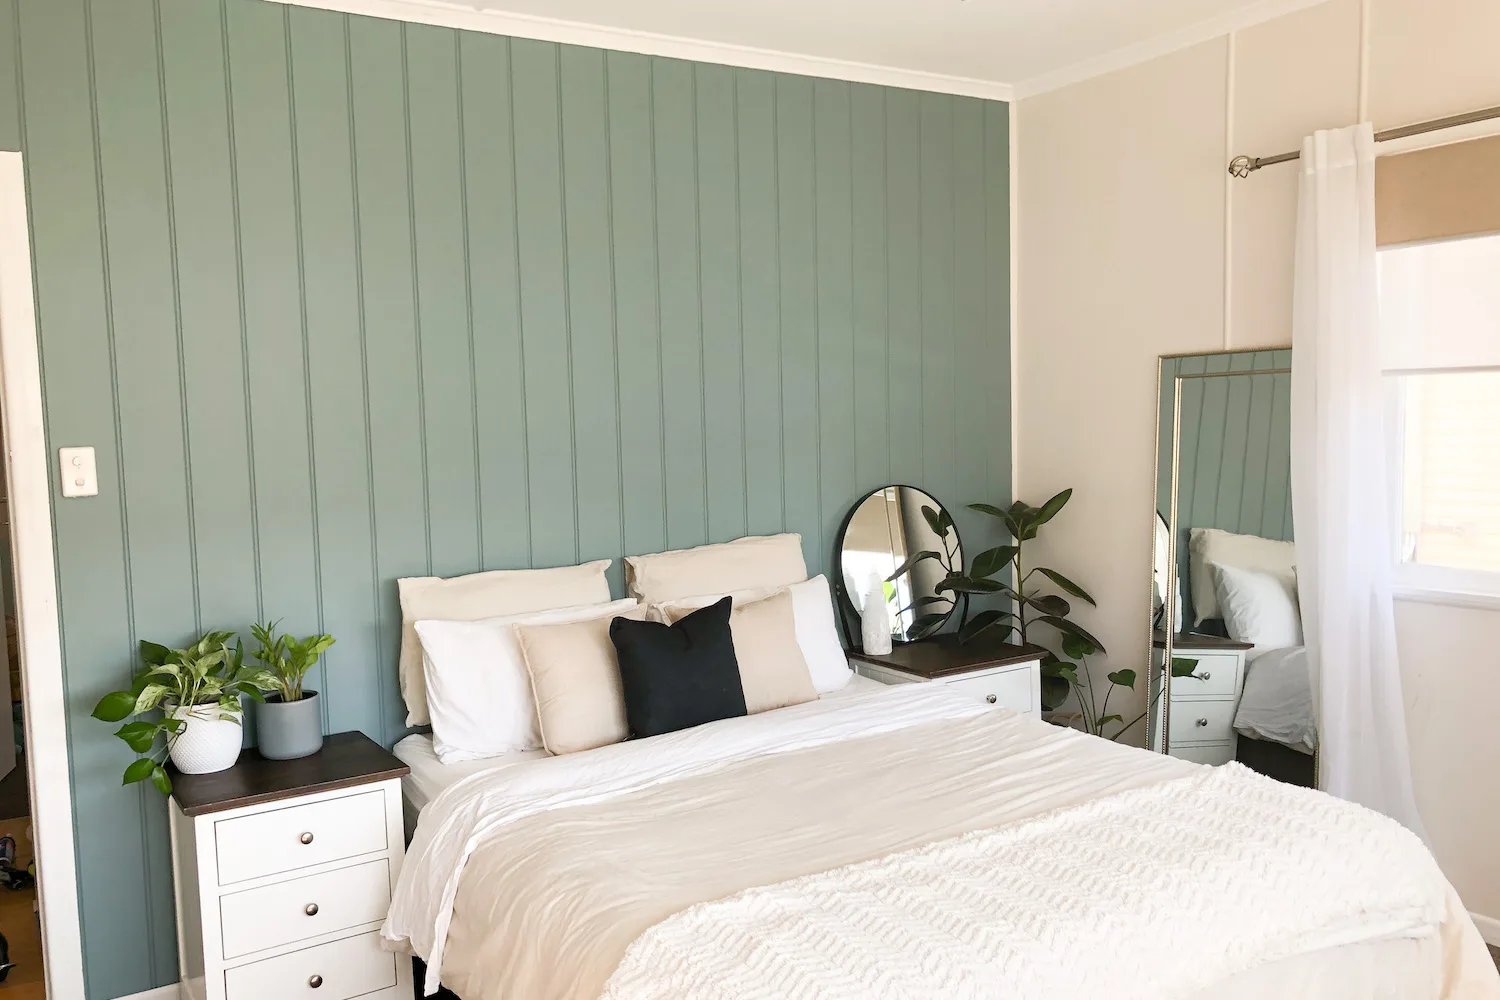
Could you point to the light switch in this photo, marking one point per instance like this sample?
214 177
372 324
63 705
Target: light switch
79 476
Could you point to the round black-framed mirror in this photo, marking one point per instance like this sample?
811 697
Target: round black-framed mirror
887 530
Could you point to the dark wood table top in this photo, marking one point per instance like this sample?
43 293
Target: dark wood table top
944 655
346 760
1201 643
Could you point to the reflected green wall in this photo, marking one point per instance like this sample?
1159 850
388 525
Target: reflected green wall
340 300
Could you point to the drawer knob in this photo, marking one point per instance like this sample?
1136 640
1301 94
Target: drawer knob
990 698
315 981
1207 676
1203 722
306 838
311 909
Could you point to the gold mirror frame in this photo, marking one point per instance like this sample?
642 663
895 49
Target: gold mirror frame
1160 740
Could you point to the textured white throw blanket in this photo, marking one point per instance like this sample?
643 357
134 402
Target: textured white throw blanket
1152 893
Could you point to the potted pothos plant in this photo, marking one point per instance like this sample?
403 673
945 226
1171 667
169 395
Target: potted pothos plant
197 691
289 722
1029 602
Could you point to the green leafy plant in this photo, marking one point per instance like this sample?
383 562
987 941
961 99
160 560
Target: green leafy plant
287 659
207 673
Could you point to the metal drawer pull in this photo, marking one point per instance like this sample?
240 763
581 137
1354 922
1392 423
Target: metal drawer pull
1202 722
315 981
311 909
306 838
990 698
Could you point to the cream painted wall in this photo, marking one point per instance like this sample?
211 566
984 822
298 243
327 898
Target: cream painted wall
1132 242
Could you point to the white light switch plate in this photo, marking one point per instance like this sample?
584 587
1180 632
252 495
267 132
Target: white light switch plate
79 476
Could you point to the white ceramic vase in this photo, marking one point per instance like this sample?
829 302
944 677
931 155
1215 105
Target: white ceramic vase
208 742
875 620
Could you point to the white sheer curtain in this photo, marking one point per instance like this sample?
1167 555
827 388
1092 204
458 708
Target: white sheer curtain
1341 500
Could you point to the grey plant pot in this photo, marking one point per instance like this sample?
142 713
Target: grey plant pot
288 729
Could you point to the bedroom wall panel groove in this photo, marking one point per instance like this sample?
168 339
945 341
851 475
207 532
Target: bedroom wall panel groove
339 300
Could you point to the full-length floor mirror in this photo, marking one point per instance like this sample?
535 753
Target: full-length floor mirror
1229 678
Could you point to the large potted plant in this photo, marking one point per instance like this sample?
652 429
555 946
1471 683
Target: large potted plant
197 691
289 722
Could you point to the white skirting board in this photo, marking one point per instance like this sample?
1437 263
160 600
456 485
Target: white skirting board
172 992
1489 928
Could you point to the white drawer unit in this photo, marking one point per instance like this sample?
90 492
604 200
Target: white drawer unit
284 872
1197 722
987 670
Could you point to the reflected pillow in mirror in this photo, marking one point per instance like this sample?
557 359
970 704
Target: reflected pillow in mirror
1215 547
1259 608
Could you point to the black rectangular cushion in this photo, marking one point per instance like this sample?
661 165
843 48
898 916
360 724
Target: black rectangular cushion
678 676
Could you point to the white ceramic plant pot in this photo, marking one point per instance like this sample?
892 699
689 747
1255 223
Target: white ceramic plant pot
208 742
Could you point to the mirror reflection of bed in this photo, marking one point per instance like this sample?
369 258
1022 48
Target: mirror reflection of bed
1224 609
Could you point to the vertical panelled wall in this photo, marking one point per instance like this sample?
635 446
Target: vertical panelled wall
340 300
1234 453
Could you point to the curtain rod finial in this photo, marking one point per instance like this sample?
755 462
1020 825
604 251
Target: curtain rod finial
1242 166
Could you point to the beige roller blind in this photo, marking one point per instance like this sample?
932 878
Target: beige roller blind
1438 193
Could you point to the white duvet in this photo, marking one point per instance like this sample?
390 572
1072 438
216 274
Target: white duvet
621 871
1276 701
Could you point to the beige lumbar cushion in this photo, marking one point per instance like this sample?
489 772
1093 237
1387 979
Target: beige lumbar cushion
484 595
575 678
773 672
744 564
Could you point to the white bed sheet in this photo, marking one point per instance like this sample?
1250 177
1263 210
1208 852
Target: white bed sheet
1276 703
429 775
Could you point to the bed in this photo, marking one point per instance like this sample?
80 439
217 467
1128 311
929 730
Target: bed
907 842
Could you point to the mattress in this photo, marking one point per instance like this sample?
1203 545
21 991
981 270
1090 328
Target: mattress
429 775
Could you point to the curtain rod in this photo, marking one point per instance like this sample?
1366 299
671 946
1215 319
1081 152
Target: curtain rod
1244 166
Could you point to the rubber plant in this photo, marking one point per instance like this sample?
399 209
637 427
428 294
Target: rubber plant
208 672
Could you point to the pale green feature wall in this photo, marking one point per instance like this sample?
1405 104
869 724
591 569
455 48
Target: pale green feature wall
340 300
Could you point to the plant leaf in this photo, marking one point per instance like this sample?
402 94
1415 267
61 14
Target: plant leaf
1111 718
992 561
983 622
116 706
1075 647
138 770
911 561
160 779
925 626
154 653
1183 667
1055 691
964 585
1065 626
1124 678
1066 584
150 697
1050 604
938 520
988 508
138 736
1049 509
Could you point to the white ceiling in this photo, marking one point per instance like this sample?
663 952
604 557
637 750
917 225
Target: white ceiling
993 48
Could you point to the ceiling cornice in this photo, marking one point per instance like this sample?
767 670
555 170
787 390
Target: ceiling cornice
1161 45
457 15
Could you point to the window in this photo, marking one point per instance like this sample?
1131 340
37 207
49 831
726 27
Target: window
1440 344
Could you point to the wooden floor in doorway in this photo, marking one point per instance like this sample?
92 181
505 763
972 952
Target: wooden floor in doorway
18 924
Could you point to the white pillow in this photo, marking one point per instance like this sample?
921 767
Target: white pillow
478 689
1259 608
1214 547
485 595
753 563
812 610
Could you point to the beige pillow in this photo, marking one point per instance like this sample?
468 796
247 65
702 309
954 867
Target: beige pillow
576 681
484 595
761 561
773 671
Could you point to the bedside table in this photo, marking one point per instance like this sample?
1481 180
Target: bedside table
1200 723
284 871
991 671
